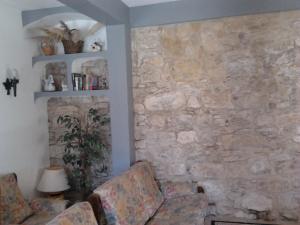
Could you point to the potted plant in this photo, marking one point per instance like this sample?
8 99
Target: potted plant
72 39
83 146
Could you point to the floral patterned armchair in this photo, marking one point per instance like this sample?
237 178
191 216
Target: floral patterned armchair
15 210
136 198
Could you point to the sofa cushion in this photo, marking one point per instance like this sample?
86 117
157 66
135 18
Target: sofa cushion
79 214
149 190
176 189
132 198
13 207
39 218
48 205
184 210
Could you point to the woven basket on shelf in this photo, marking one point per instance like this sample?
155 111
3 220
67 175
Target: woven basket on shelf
72 47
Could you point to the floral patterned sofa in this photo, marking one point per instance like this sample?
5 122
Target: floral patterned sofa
79 214
135 198
15 210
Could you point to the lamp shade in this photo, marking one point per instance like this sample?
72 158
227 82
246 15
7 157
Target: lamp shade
53 180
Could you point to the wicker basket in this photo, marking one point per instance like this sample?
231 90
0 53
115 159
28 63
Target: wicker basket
71 47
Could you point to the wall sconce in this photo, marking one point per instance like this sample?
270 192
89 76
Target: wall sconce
11 81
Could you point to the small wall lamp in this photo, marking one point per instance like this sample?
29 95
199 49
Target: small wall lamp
11 81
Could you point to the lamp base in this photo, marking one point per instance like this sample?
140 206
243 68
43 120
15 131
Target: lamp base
57 195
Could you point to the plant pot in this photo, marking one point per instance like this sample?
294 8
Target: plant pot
71 47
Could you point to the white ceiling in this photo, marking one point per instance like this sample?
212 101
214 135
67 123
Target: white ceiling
32 4
39 4
133 3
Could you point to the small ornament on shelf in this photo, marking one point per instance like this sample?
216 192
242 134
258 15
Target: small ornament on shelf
64 87
97 46
48 84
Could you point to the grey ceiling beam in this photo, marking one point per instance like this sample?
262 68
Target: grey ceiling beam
193 10
115 8
30 16
110 12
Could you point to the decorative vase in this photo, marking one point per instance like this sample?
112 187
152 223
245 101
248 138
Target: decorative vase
48 46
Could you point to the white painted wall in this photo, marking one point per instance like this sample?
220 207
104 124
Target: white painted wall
23 124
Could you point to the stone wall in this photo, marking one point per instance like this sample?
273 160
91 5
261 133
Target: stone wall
79 107
217 102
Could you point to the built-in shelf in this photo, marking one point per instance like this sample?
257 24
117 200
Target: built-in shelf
97 93
68 57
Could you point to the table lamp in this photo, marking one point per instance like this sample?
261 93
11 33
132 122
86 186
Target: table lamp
53 181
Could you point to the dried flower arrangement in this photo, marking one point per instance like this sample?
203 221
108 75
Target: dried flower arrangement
72 39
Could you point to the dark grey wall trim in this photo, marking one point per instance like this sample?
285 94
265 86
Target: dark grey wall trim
193 10
110 12
31 16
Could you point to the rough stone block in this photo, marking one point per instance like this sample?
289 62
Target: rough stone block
165 101
186 137
256 202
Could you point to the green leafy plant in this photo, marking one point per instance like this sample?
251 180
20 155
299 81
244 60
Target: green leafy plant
83 146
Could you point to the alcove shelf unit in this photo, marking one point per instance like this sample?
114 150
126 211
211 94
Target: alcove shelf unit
69 59
118 58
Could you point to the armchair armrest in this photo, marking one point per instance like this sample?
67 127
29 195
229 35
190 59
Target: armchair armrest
95 201
48 205
175 189
79 214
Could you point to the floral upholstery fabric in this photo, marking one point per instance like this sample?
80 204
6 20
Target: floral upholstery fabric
149 190
52 206
45 210
132 198
13 207
184 210
39 218
176 189
78 214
